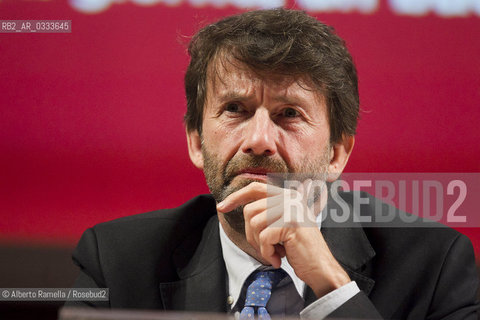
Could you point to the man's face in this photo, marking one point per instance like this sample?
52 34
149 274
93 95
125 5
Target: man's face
255 125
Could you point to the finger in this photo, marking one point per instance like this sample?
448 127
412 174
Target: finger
256 222
254 191
253 208
275 215
273 190
258 215
294 207
268 238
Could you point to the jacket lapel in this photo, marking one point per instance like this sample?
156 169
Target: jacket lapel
349 245
202 280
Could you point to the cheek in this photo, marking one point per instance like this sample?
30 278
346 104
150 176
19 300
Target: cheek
296 147
218 139
222 140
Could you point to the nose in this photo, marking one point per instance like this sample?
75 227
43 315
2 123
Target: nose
260 134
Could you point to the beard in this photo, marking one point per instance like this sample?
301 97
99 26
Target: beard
221 178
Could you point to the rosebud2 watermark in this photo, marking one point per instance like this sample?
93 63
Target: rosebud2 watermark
377 200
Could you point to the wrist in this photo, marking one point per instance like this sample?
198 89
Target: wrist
322 285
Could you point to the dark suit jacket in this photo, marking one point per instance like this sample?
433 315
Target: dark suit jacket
171 260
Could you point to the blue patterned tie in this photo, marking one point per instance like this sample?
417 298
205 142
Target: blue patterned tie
258 293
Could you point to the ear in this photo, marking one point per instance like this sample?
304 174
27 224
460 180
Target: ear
339 154
194 143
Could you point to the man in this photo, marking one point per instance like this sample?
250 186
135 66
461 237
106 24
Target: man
274 92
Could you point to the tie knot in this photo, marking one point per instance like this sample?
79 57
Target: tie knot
260 290
269 278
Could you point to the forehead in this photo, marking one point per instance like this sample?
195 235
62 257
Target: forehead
229 76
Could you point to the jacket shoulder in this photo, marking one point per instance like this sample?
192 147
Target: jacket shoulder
136 244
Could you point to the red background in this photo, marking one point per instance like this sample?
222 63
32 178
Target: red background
91 121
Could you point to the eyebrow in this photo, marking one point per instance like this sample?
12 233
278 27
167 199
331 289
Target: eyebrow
237 96
234 96
293 100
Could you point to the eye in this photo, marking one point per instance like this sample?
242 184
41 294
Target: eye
233 107
290 113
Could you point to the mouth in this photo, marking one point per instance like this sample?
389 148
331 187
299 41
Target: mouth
254 174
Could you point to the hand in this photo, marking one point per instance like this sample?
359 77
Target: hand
275 231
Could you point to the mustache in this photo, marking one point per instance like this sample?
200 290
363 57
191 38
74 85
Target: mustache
237 164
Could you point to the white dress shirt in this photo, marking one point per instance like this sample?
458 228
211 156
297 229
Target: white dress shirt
240 265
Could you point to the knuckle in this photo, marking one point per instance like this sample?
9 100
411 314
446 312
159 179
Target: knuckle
255 223
259 187
247 211
262 237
